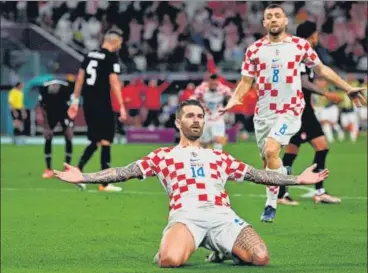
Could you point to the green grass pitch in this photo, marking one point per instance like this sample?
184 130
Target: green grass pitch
49 226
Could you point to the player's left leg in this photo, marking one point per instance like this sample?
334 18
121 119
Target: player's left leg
106 137
320 146
68 135
278 134
288 159
232 238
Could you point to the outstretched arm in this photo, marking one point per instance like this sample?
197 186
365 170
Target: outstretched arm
112 175
354 93
276 179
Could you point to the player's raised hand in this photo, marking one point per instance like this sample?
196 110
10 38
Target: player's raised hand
333 97
70 175
123 114
356 95
232 102
309 177
73 111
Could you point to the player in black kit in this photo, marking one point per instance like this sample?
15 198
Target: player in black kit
54 99
96 77
311 130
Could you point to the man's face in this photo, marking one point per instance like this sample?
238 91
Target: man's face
191 122
152 83
212 84
275 21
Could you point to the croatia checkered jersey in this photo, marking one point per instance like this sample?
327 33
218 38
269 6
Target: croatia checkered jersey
276 69
212 101
193 177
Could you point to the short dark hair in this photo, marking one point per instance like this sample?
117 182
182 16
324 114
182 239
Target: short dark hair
18 84
179 110
213 76
275 6
306 29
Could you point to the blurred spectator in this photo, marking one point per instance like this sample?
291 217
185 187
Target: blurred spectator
152 101
132 96
175 35
187 92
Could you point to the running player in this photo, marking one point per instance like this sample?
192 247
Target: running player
96 77
213 94
194 178
274 61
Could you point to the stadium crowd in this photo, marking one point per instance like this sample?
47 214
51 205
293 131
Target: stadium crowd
176 35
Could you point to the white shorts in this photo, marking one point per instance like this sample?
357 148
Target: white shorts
330 114
215 229
280 127
213 129
349 118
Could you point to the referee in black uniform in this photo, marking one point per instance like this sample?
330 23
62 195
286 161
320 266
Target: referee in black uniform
96 77
311 130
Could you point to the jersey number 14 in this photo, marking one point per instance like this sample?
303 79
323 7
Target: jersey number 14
91 71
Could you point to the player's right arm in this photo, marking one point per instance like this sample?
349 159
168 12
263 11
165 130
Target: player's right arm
115 85
112 175
73 109
145 167
248 73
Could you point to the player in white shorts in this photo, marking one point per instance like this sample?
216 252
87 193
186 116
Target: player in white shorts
213 94
194 179
274 62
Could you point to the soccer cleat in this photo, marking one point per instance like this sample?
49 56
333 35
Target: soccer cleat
155 259
326 199
47 174
109 188
81 186
268 214
217 257
287 200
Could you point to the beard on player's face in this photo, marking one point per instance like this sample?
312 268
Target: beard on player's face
275 31
192 131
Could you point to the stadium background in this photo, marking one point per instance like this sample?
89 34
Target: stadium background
170 42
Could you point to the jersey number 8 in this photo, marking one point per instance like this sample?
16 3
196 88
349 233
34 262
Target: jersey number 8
275 77
91 71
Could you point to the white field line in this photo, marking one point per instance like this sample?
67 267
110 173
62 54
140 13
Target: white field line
164 193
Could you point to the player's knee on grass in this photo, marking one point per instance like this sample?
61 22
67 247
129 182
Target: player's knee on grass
250 248
176 246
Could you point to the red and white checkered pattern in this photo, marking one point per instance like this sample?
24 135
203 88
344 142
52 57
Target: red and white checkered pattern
281 93
175 168
212 101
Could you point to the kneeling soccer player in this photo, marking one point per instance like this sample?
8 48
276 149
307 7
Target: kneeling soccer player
194 178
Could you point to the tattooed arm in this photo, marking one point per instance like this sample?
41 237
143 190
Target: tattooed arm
113 175
276 179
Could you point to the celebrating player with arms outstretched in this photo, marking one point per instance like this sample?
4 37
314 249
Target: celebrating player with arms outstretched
274 62
194 178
